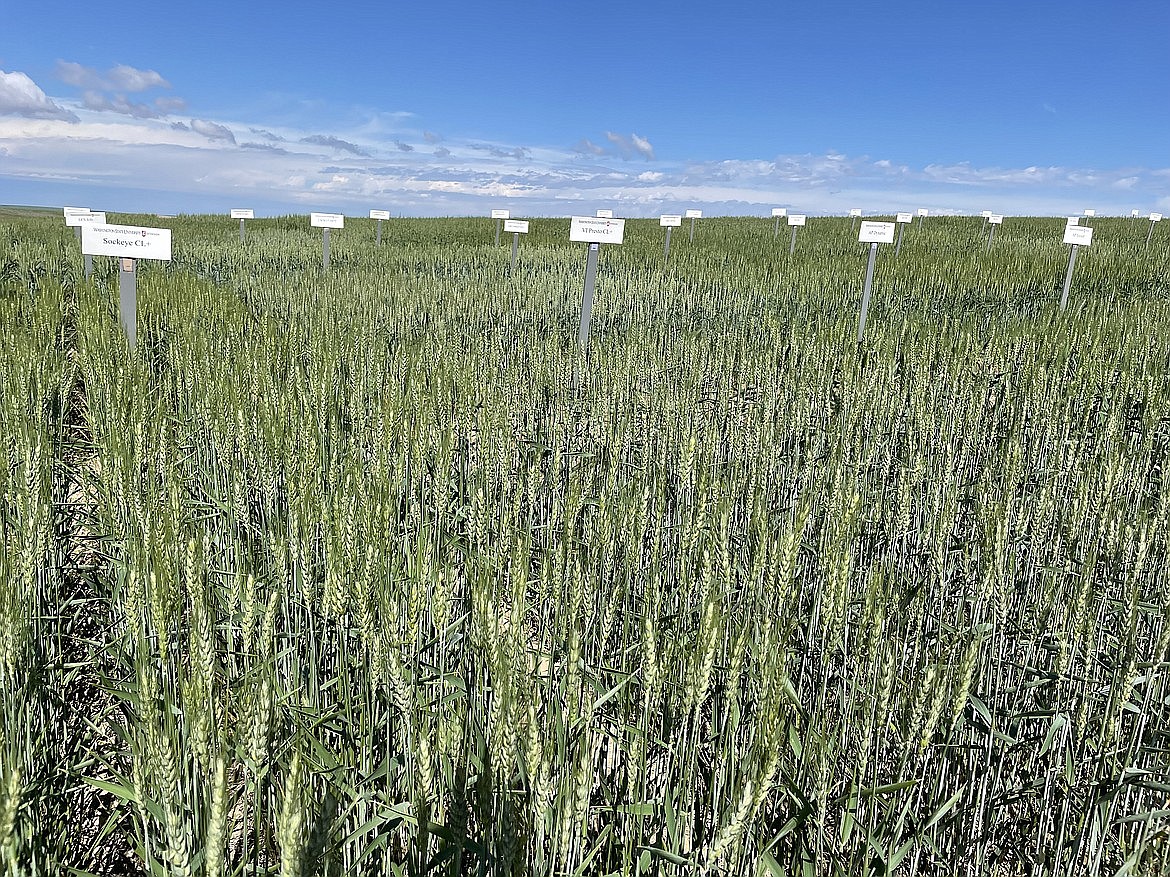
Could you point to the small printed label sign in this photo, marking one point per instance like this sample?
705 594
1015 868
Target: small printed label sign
73 211
779 211
379 214
242 213
694 214
995 219
500 214
856 211
600 230
76 219
1155 217
877 232
327 220
1081 235
985 213
905 217
1135 213
516 226
604 214
1090 212
126 241
1072 220
922 211
796 218
670 219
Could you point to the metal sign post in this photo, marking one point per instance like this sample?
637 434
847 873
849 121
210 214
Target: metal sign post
499 216
904 219
873 248
378 216
517 227
1155 218
795 221
128 299
242 213
692 215
76 217
995 220
778 212
325 222
587 296
669 221
854 215
117 241
872 233
1077 236
593 231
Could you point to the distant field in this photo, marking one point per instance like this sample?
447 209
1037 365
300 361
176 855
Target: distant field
374 572
20 210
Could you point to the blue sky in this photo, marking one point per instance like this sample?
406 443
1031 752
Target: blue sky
647 107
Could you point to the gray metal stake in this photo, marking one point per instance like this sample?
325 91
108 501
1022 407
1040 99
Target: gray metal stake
77 232
88 265
666 250
873 248
1072 257
776 231
792 242
325 249
587 295
378 235
241 231
1150 234
990 237
898 248
497 232
515 247
692 228
128 299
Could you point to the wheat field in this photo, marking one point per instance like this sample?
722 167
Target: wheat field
374 572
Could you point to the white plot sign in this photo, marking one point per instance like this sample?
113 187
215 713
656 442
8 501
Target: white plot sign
779 211
670 220
796 219
604 214
877 232
243 213
128 241
500 214
905 217
694 214
1072 220
995 219
597 230
379 214
922 211
78 219
327 220
73 211
516 226
985 213
855 212
1155 217
1090 212
1079 235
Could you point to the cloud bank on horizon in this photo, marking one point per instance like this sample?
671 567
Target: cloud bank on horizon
126 141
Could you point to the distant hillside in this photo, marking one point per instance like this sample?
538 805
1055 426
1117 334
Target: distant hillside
21 210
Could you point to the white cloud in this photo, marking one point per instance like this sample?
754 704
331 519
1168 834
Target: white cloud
212 130
20 96
630 146
98 102
119 78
